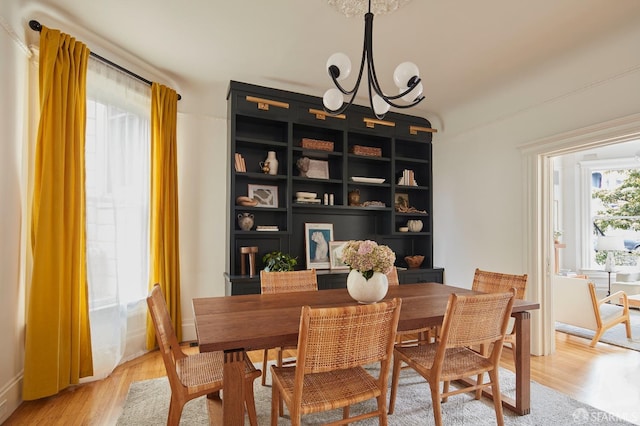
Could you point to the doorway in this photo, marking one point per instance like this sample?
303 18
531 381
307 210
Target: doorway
538 179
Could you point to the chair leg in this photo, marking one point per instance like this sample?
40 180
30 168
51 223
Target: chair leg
250 403
382 410
479 381
597 337
628 326
175 411
345 412
445 391
435 400
497 396
394 382
280 350
265 358
275 396
484 350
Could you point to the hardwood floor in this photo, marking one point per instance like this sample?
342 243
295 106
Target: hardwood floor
606 377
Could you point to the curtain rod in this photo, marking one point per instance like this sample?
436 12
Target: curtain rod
36 26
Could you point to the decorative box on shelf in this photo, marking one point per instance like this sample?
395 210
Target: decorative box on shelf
368 151
317 144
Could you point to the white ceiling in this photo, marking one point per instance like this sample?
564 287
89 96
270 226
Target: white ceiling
464 48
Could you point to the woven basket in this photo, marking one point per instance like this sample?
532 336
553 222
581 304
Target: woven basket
317 144
368 151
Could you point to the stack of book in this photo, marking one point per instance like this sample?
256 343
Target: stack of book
267 228
408 178
307 198
240 164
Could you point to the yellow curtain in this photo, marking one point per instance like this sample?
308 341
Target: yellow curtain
165 259
58 339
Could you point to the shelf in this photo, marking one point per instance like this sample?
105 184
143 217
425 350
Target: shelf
257 141
411 160
254 131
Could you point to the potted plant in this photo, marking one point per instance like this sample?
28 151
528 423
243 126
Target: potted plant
278 261
556 236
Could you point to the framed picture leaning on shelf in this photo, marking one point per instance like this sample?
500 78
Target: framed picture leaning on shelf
335 255
265 195
317 239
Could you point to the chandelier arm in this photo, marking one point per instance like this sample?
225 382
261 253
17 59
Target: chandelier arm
373 78
353 92
368 44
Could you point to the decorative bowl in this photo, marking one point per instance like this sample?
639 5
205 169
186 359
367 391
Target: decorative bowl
414 261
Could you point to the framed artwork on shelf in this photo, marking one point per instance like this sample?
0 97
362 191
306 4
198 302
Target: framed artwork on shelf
318 169
335 255
265 195
317 238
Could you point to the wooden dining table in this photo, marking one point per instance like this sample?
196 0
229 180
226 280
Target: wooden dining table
235 324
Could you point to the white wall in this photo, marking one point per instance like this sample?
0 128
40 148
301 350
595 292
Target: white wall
480 186
13 74
202 176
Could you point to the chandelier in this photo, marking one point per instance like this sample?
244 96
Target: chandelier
406 75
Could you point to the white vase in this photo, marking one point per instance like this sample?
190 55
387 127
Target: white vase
367 291
273 162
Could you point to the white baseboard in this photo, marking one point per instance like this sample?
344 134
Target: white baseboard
10 397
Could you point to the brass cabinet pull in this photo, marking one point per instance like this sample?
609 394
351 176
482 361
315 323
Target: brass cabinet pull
371 123
322 115
415 129
264 104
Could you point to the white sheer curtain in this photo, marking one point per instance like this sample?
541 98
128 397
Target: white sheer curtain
117 193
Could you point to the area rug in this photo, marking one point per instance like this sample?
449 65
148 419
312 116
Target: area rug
148 404
616 335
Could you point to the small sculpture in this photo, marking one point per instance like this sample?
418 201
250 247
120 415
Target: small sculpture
303 166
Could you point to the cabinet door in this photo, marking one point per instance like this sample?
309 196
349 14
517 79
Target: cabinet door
411 276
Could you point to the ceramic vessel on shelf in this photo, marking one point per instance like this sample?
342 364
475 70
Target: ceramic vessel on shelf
414 261
271 163
245 221
354 197
367 291
414 225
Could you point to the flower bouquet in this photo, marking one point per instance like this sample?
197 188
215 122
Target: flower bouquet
368 257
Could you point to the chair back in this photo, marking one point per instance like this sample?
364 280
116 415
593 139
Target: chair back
573 302
346 337
392 277
165 334
497 282
288 282
475 319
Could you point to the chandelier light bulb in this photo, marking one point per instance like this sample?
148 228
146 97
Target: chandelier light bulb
340 65
332 99
404 73
380 106
414 94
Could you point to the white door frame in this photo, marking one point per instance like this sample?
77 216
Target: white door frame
538 202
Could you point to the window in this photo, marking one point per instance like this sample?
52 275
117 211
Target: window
117 164
613 200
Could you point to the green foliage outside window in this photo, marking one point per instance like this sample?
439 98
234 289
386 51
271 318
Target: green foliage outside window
619 202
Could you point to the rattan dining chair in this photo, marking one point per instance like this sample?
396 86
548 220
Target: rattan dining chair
334 345
497 282
409 337
191 376
469 320
285 282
